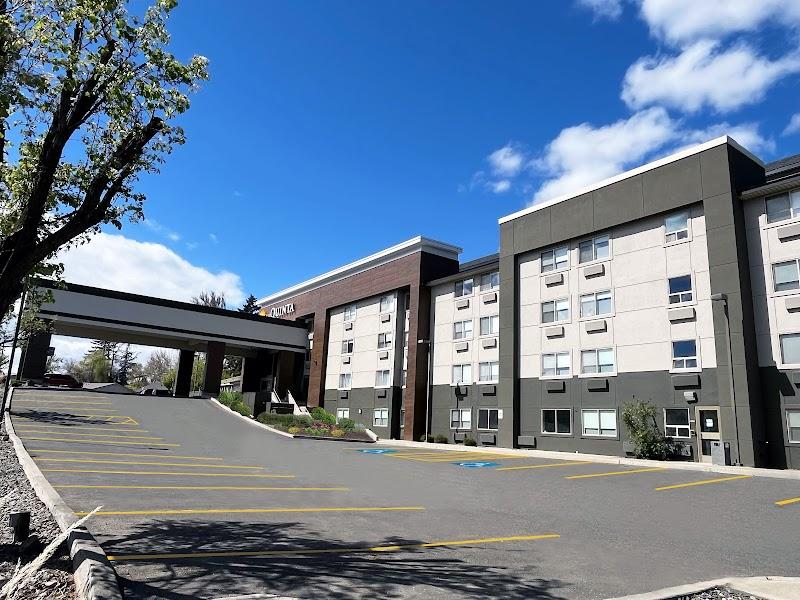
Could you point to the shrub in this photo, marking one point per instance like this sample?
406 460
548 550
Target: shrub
470 442
346 424
229 398
441 439
426 438
338 433
241 408
294 430
639 419
320 414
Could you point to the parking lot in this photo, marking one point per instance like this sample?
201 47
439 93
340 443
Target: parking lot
198 503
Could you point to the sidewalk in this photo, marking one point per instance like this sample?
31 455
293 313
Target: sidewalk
764 588
599 458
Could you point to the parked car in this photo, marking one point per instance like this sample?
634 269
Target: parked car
61 380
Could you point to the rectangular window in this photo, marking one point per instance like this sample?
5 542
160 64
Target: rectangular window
599 422
387 303
600 360
594 249
676 227
490 325
402 418
684 354
489 371
345 381
793 423
594 305
405 340
557 420
342 413
785 276
790 349
490 281
488 418
461 418
785 206
680 289
554 311
350 312
676 423
383 378
555 364
384 340
462 374
463 288
347 346
462 330
380 417
405 377
557 258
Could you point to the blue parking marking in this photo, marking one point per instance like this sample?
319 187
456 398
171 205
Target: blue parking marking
476 464
378 451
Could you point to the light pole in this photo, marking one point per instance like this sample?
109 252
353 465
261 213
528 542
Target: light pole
723 298
428 345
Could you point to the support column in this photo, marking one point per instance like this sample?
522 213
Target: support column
183 378
255 368
34 356
215 357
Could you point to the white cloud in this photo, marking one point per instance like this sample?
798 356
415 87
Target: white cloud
506 161
160 229
498 187
213 238
603 9
747 134
683 21
703 75
793 126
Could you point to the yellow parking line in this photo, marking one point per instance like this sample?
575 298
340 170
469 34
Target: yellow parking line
175 474
132 462
350 550
23 401
115 443
68 408
547 466
610 473
702 482
215 511
787 501
106 422
51 451
227 488
103 435
67 428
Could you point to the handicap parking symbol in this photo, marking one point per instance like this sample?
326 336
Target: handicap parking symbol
476 464
377 451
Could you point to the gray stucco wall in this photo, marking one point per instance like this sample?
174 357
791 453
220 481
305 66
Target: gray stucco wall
447 397
366 400
780 391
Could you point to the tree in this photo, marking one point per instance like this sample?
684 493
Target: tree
250 305
88 92
639 418
161 366
127 366
212 299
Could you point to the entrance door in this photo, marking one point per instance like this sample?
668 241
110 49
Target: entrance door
707 430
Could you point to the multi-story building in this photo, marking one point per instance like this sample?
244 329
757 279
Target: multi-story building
676 283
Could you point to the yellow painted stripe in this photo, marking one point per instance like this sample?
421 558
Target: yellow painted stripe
788 501
67 428
702 482
115 443
133 462
24 401
315 551
216 511
69 408
227 488
547 466
51 451
610 473
175 474
40 423
103 435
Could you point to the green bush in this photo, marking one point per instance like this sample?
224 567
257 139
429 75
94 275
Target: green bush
346 424
426 438
283 421
229 398
470 442
441 439
241 408
320 414
639 419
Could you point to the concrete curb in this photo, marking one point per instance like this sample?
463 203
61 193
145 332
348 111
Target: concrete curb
250 420
610 460
766 587
95 578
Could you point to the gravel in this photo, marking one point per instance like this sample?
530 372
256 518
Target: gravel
54 581
722 593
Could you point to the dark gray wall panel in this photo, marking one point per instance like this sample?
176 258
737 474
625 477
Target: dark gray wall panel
671 186
572 219
618 203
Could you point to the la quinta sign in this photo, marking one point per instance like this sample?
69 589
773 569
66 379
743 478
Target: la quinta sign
281 311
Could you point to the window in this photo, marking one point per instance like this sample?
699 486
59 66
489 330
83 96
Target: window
462 330
405 377
790 349
557 258
490 281
557 421
347 346
464 288
383 378
680 289
345 381
387 303
461 418
684 354
676 227
342 413
489 371
793 424
600 360
488 418
593 305
350 312
462 374
380 417
676 423
556 364
594 249
554 311
785 206
599 422
384 340
405 340
785 276
402 418
490 325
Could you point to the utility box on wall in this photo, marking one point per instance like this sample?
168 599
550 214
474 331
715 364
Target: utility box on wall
720 453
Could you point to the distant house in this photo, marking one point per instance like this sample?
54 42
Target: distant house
231 384
155 388
108 388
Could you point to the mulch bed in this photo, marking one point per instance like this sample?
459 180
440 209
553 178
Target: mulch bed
718 593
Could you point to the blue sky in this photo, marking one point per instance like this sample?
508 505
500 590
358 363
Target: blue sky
330 130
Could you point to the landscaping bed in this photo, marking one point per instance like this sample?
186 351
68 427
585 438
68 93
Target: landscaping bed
319 425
